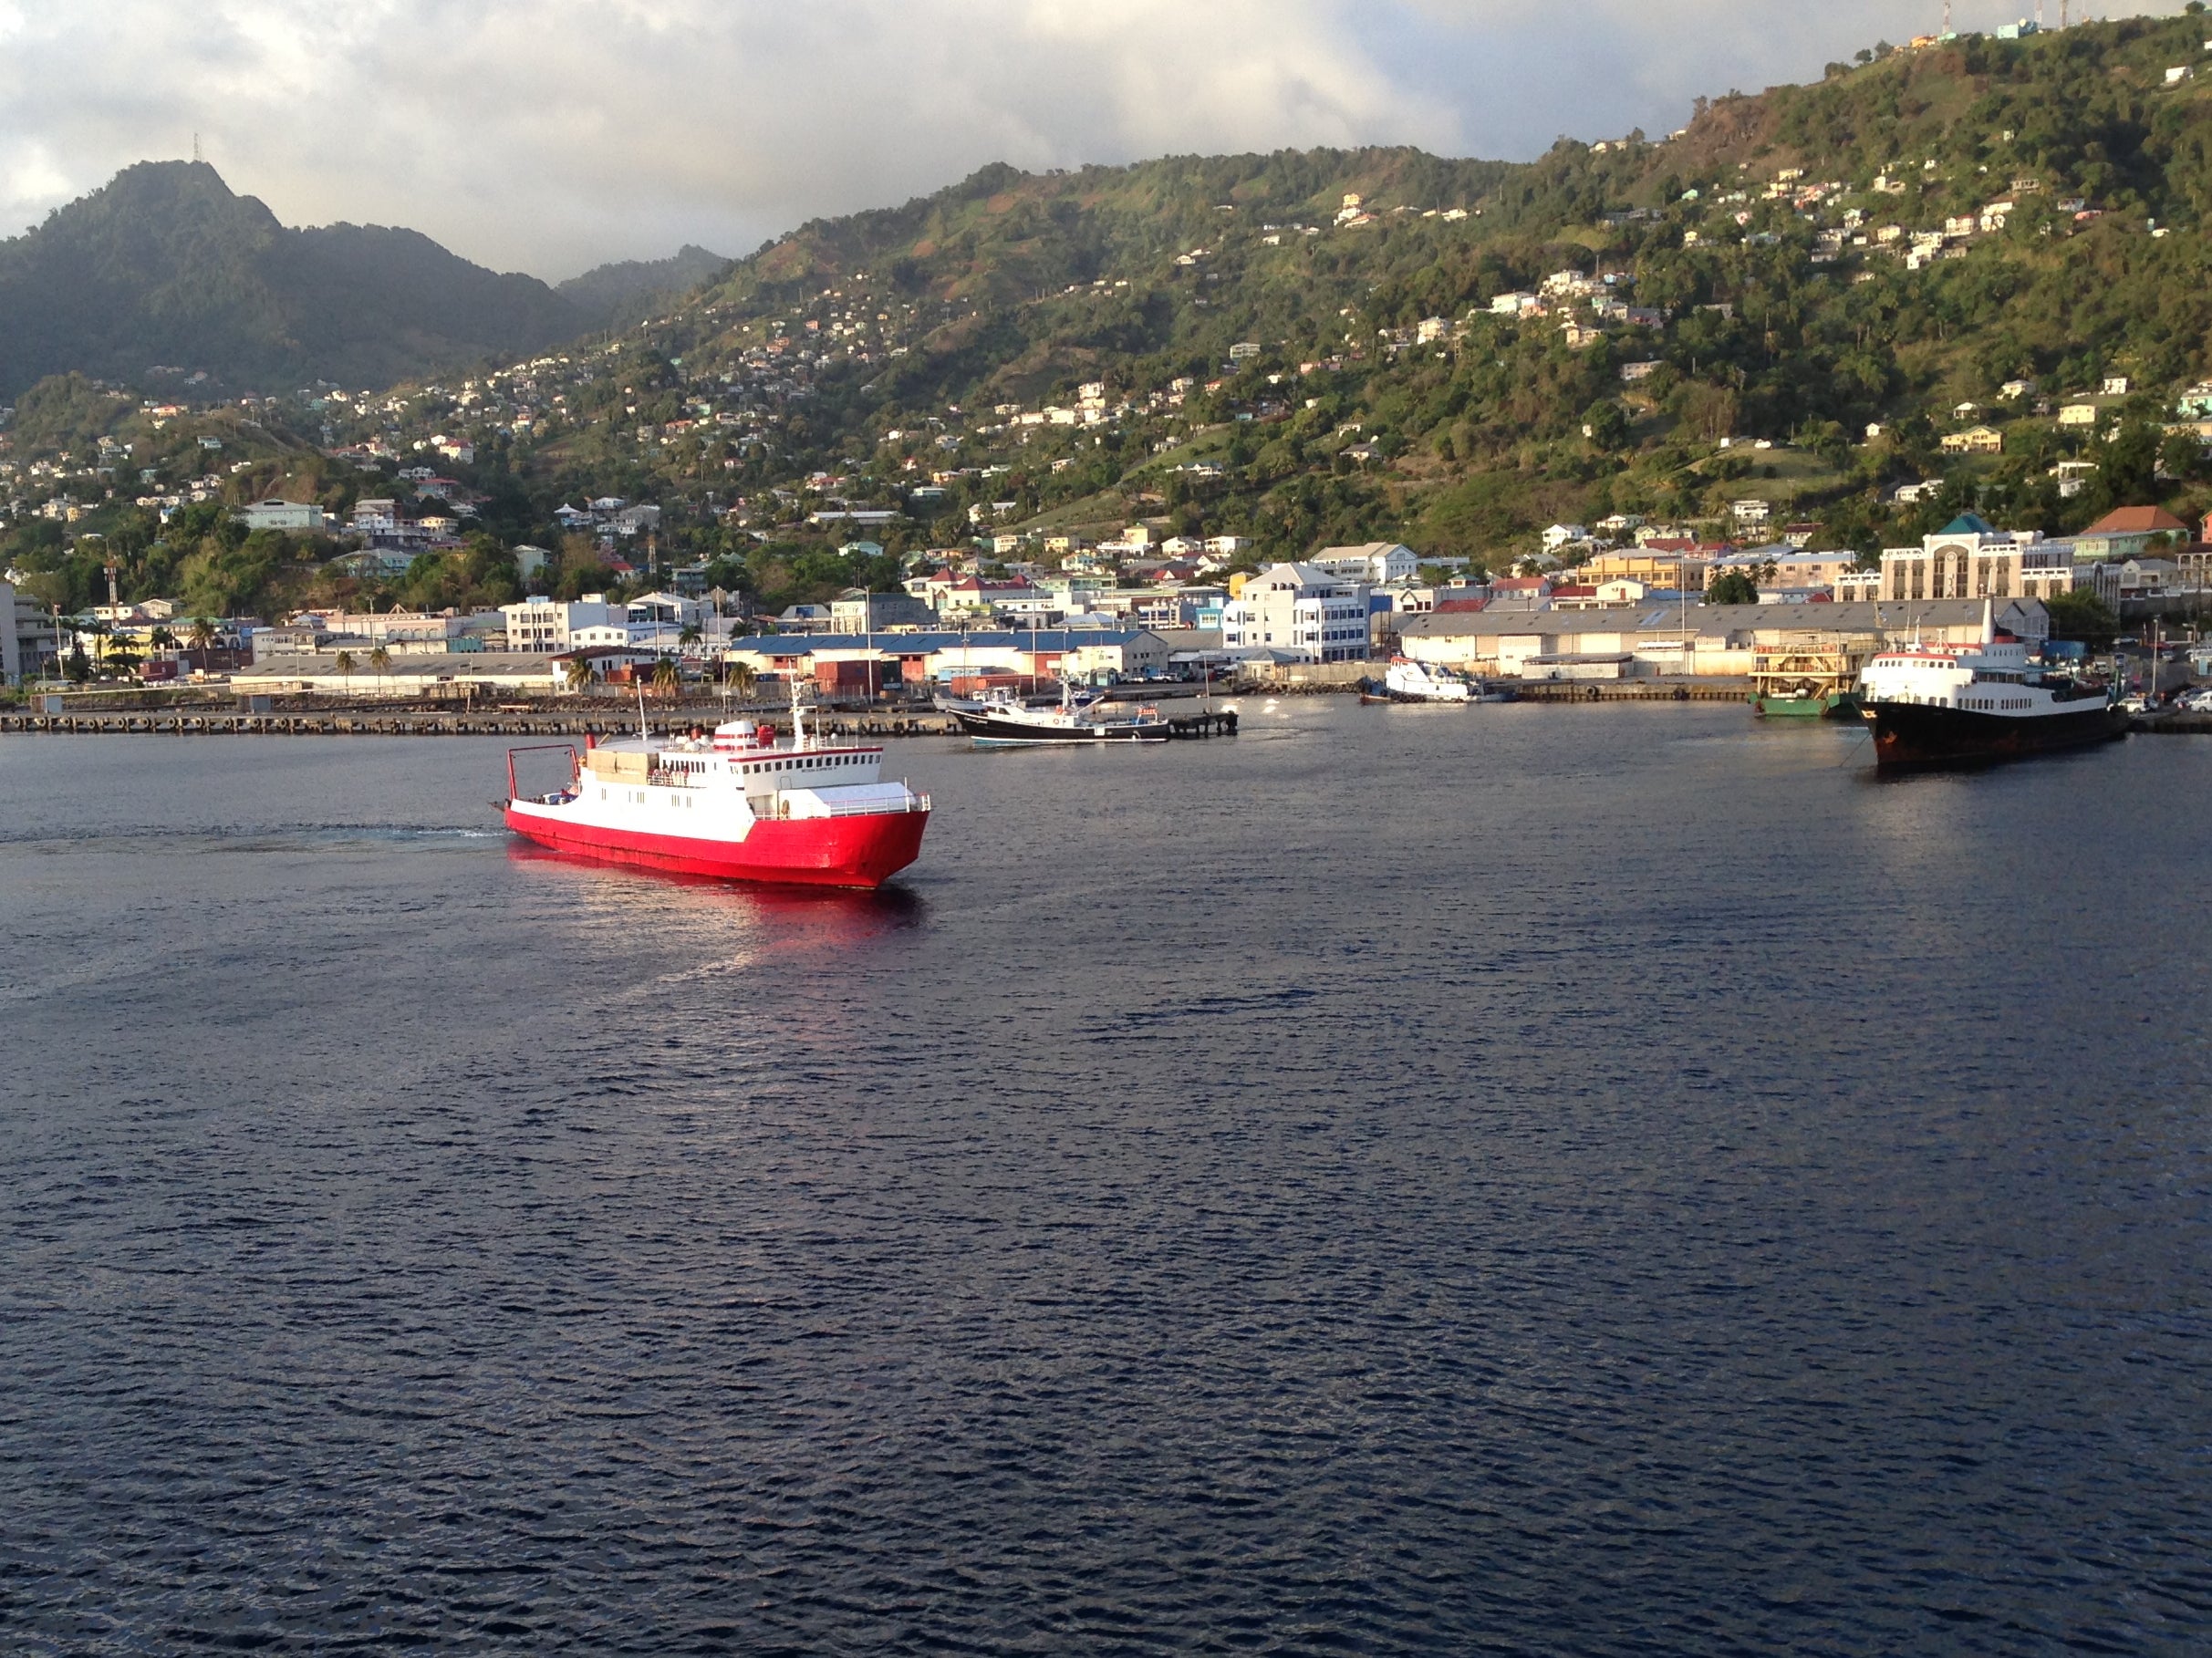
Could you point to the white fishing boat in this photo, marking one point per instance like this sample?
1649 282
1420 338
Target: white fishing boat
1410 681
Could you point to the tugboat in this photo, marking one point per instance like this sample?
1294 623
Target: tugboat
737 805
1935 705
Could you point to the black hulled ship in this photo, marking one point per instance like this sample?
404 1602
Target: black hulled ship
1946 705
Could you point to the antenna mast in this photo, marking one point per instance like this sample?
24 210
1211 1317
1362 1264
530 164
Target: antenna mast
196 148
1946 19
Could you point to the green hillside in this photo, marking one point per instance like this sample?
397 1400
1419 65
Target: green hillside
1793 301
1790 317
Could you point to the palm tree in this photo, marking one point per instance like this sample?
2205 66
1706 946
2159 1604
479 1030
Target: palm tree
743 676
380 659
578 673
203 638
668 678
689 636
345 668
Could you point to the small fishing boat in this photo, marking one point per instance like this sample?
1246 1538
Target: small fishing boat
1007 722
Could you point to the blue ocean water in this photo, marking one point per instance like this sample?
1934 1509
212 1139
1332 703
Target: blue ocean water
1580 1180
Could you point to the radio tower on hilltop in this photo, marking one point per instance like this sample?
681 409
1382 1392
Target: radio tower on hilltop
1946 19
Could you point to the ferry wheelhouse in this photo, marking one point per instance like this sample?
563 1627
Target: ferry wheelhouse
736 804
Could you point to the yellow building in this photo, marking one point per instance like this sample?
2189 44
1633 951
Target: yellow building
1975 441
1653 568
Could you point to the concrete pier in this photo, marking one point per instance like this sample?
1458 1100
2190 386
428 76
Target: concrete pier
181 722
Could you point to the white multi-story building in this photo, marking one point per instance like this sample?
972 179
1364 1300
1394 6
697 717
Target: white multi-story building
1304 610
545 627
281 515
623 636
1378 563
1969 558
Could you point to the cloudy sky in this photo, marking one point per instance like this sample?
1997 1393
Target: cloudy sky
549 135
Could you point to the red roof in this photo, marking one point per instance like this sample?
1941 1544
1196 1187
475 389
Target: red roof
2135 520
1461 607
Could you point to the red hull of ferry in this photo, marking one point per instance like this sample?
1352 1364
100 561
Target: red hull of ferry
853 851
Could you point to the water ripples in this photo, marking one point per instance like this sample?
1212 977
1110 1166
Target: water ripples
1558 1214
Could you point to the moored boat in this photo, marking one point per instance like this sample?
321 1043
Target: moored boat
1937 705
1815 679
1007 722
1806 703
1410 681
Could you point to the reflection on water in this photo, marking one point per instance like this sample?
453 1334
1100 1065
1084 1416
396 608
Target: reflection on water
627 893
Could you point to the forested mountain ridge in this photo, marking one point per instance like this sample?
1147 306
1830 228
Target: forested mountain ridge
1761 260
165 268
630 290
1981 264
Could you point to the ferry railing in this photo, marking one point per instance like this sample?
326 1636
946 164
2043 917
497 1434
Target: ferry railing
913 802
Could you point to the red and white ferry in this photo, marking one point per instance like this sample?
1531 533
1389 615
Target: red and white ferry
736 804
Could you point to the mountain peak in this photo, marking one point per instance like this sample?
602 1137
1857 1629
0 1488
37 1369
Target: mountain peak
632 289
166 264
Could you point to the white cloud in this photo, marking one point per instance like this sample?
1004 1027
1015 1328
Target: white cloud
551 134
